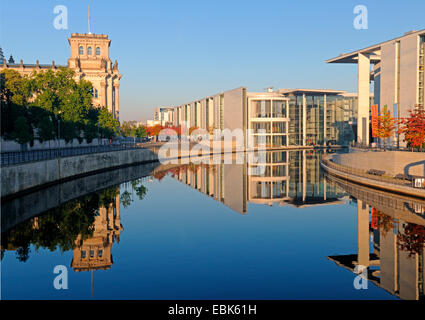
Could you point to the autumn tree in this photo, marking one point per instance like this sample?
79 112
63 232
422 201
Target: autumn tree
191 129
155 130
385 125
413 128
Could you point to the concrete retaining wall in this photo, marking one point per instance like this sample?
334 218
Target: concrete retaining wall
392 162
22 177
29 205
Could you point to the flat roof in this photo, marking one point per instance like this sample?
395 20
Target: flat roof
351 57
319 91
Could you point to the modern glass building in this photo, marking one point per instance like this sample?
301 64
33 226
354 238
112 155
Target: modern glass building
319 117
286 177
396 68
286 117
268 118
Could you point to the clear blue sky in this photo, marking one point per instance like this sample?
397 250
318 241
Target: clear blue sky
171 52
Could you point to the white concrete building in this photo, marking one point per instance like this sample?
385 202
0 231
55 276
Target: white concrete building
397 69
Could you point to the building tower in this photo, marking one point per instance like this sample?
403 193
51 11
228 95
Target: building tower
90 60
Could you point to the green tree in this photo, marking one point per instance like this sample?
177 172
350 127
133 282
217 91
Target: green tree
139 131
22 131
45 129
125 129
15 88
126 199
107 123
140 189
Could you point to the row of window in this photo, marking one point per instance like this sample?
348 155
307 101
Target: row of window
84 254
89 51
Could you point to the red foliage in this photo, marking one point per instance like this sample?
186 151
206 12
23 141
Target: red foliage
154 131
412 240
413 128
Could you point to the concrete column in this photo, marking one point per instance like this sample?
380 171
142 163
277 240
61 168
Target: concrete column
363 99
103 93
324 120
363 233
109 95
117 100
304 120
304 175
117 219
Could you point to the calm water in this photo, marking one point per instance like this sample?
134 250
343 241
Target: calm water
213 232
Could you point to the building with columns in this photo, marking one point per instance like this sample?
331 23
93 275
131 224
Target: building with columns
397 69
279 118
90 61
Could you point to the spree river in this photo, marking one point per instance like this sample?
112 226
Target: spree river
222 231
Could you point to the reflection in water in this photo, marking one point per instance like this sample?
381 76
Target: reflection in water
88 225
284 178
94 252
393 227
390 228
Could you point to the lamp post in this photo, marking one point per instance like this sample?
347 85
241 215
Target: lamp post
59 133
59 145
98 135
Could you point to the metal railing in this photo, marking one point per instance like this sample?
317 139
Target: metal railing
17 157
364 174
386 148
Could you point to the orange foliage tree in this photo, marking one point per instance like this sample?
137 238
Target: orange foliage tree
191 129
385 125
155 130
413 128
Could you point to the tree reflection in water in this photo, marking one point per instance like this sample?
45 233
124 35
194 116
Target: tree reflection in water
59 228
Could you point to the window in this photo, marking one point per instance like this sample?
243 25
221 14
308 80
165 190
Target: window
100 253
96 95
98 51
81 50
91 253
279 109
83 254
262 108
89 51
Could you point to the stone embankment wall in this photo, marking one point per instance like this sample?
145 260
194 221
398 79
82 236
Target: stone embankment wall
24 207
17 178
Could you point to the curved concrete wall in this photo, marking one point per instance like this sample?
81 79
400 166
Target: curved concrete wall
392 162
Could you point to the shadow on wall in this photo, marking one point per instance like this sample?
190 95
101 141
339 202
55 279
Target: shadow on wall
414 164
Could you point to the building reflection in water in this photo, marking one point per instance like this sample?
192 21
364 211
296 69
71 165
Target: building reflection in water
390 228
94 253
390 240
89 226
281 177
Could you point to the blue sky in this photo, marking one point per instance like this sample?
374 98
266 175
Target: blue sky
171 52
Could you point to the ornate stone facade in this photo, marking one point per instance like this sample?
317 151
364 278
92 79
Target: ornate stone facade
90 61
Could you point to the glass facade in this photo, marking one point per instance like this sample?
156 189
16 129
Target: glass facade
314 117
339 117
329 118
268 121
296 116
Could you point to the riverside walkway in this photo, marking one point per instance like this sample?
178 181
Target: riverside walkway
367 178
